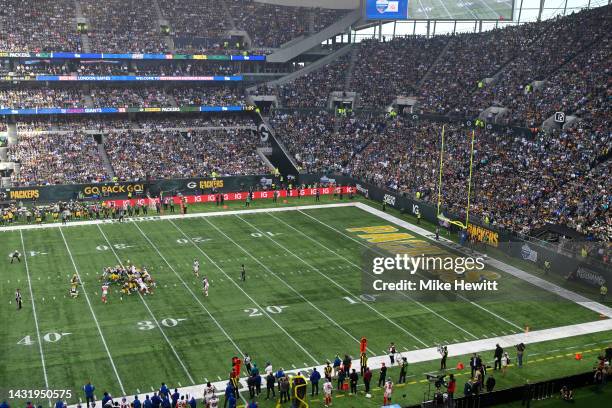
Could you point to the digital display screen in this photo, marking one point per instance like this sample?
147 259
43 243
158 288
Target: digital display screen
439 10
386 9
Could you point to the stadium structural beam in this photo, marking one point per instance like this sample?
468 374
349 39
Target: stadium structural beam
540 10
565 7
520 11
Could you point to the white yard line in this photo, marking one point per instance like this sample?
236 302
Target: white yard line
495 14
76 270
191 291
334 282
447 12
423 9
261 309
363 270
509 269
472 13
458 349
38 337
333 322
178 358
543 284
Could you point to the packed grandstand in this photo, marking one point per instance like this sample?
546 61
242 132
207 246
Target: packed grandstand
560 64
138 90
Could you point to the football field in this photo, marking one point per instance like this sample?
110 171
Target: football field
301 304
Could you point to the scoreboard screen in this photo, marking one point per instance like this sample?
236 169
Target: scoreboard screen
386 9
501 10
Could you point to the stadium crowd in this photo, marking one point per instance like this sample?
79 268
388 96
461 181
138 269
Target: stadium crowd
121 26
201 96
322 141
152 147
197 25
157 154
135 96
148 122
385 70
313 89
519 182
271 25
571 54
120 96
38 25
21 98
49 159
564 45
133 26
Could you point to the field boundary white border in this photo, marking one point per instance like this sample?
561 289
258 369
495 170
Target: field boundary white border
415 356
173 217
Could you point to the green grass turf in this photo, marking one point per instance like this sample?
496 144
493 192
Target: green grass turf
149 344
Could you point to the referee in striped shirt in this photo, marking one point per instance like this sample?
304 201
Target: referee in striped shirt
18 298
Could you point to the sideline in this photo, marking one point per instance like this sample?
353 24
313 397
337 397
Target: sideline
173 216
415 356
431 353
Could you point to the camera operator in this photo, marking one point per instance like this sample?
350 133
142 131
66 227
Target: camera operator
439 397
451 388
443 350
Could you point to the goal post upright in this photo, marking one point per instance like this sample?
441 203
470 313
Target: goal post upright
467 209
440 215
440 173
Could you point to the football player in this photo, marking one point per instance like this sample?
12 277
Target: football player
196 268
205 286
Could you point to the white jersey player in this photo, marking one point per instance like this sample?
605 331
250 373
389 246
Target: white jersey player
105 293
209 392
142 286
196 267
327 392
205 286
388 391
214 402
